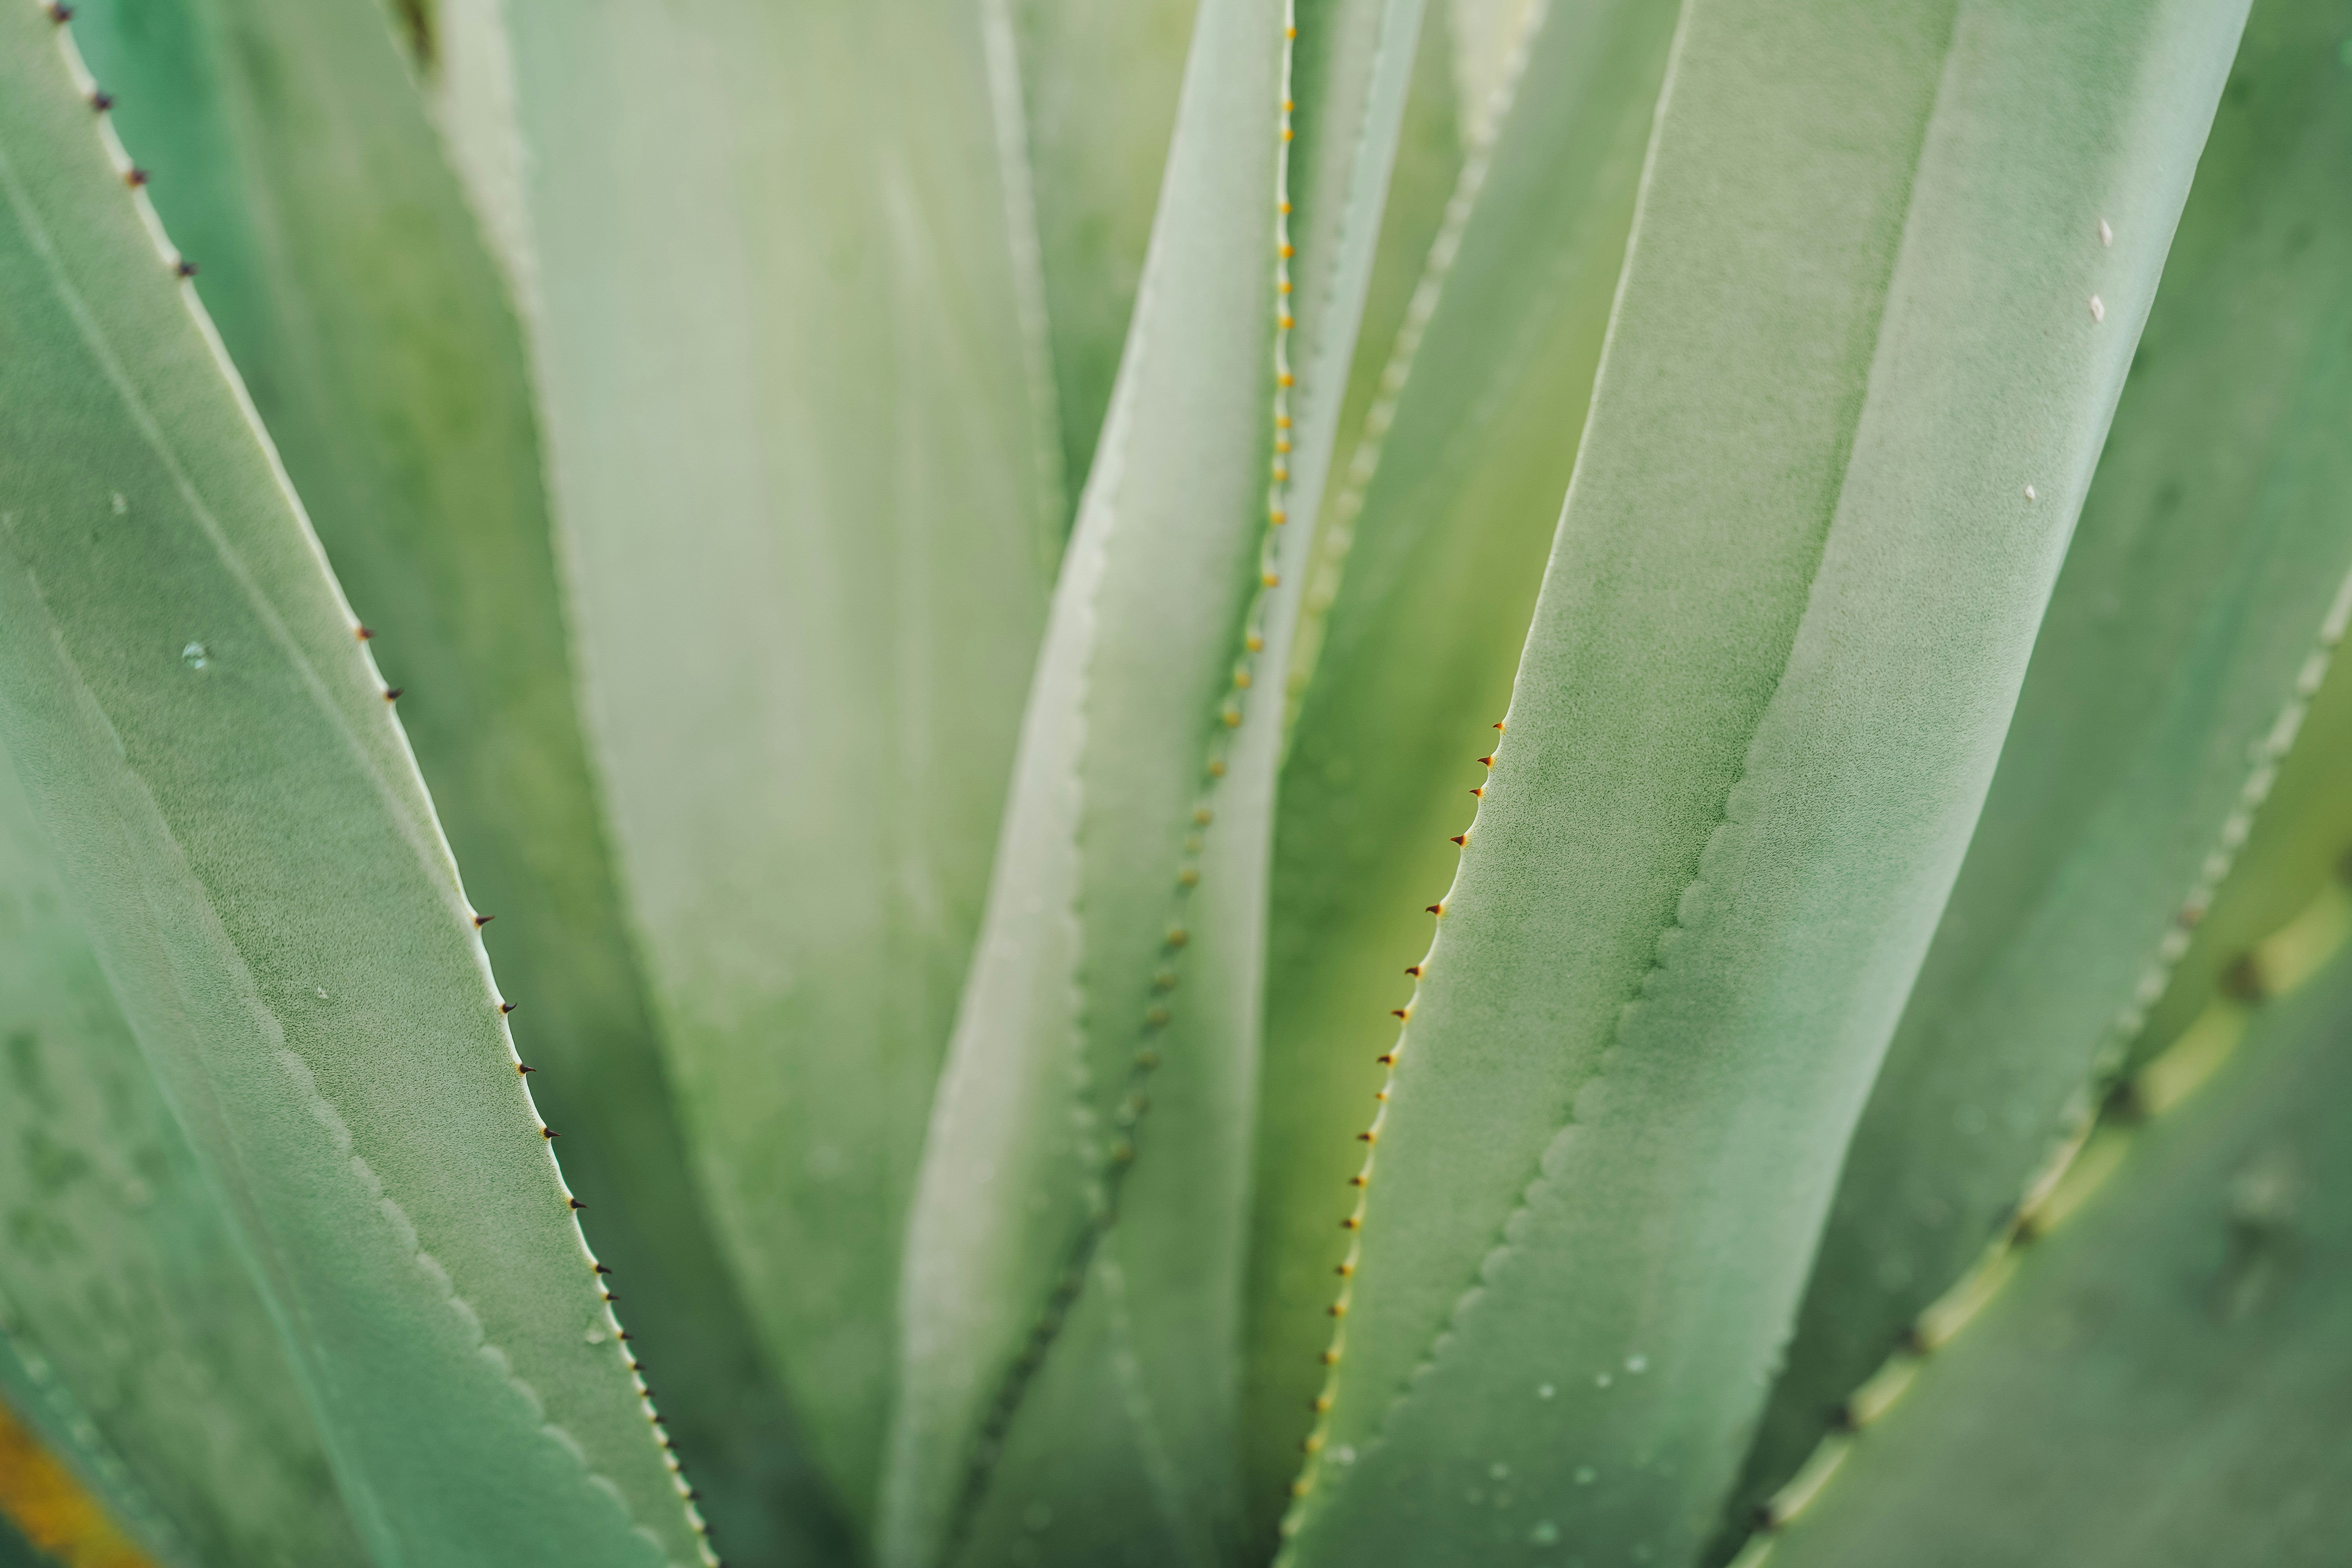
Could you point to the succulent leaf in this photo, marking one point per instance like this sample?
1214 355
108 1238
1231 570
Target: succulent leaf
1436 538
1074 1267
1095 87
288 147
239 818
1862 359
797 468
2201 600
2160 1376
139 1348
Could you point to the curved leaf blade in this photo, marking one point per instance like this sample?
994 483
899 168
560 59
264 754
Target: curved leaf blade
2161 1379
1438 554
1098 87
2169 675
1797 580
159 1373
789 407
289 148
1074 1262
239 816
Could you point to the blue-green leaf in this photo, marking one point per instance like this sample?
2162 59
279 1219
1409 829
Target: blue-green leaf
2205 585
1073 1265
1432 548
239 821
288 149
792 407
142 1352
1864 351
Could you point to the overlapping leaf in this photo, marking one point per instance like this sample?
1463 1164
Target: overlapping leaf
1074 1266
1859 369
2161 1378
802 468
2168 678
1436 539
253 855
288 150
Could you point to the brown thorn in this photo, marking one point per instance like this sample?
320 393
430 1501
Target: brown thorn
575 1203
391 693
134 178
481 921
1437 909
1413 970
101 101
598 1268
60 12
362 633
548 1132
1399 1013
1486 762
1480 792
184 268
522 1069
1460 838
506 1006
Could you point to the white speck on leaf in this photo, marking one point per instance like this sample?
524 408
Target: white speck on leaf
2107 235
2029 493
2098 308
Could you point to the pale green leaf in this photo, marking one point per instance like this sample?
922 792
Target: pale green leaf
2171 672
2162 1379
143 1353
289 152
798 466
1437 540
1096 89
1073 1265
1485 33
1797 580
239 821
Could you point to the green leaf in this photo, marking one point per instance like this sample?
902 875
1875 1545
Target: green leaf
798 465
238 816
290 150
141 1348
1096 88
1798 577
2170 674
1437 536
2162 1378
1485 33
1073 1263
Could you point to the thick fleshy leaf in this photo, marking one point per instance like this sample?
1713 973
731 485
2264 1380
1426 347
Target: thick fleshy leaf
1485 33
790 395
290 150
1096 90
1437 537
1864 351
1074 1266
2170 673
144 1353
242 827
60 1503
2162 1377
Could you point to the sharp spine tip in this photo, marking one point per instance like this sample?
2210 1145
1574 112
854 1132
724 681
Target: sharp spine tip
481 921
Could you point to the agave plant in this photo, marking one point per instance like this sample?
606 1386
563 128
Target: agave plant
950 572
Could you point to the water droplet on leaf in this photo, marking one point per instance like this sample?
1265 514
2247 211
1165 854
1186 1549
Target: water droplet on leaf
194 657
